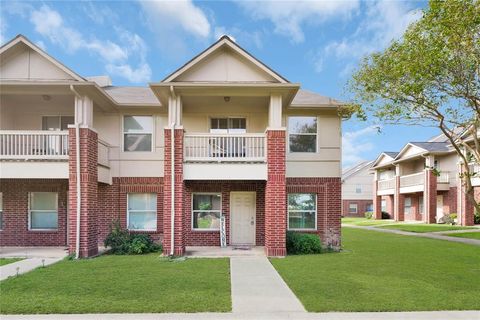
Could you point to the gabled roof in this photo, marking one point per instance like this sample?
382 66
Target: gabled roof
21 39
389 154
224 41
347 173
432 146
306 98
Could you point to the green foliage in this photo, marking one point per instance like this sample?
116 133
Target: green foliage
121 241
369 214
476 218
303 243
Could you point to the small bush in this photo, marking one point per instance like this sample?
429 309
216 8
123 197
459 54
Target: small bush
448 219
385 215
368 214
476 218
121 241
303 243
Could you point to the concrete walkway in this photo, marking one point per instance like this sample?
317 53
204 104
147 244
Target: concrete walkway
258 288
431 235
33 257
428 315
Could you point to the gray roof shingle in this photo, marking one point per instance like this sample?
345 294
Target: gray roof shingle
306 97
132 95
432 146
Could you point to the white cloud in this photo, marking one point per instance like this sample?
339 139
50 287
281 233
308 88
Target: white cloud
383 22
288 17
357 143
50 24
172 22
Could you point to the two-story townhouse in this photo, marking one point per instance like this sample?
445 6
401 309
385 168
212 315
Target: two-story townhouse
357 193
222 141
421 183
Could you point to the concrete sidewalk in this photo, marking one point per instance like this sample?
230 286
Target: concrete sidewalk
258 288
430 235
428 315
34 257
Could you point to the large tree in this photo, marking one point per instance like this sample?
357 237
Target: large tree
430 77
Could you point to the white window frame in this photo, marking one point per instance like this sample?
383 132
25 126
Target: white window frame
303 134
358 188
316 213
128 211
193 211
30 211
405 205
350 207
226 131
152 133
59 119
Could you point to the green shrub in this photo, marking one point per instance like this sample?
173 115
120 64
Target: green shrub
303 243
476 218
368 214
118 239
121 241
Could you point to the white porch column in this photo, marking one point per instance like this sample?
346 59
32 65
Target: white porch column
275 112
84 111
175 110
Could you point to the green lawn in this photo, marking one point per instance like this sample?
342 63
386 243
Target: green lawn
421 228
4 261
365 222
470 235
386 272
121 284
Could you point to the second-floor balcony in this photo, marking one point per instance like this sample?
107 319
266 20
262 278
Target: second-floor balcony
33 145
210 147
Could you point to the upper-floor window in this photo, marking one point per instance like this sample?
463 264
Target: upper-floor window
302 132
137 133
358 188
228 125
54 123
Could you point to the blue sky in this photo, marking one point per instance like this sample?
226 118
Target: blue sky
316 43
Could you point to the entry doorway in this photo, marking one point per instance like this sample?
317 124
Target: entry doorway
242 218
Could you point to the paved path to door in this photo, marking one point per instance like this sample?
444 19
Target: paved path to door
33 257
258 288
431 235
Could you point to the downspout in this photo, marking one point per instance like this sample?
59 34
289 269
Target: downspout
172 181
77 168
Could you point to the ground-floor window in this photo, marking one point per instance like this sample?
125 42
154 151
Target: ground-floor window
206 211
369 207
420 204
302 211
408 205
142 211
43 210
353 208
384 205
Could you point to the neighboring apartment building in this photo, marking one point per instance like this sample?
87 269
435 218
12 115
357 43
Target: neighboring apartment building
357 192
222 136
421 183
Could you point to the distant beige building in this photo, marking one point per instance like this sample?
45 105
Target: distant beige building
357 190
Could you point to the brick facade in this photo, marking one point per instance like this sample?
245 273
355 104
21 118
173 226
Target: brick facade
15 230
89 192
179 233
329 206
275 195
430 200
362 207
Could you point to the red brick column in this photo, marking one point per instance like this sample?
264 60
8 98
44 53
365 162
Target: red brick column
430 200
88 188
398 202
179 234
275 195
466 208
377 202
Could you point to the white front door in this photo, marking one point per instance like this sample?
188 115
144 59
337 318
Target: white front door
439 207
242 218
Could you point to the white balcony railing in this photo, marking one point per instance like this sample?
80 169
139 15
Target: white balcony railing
207 147
412 179
33 145
103 158
386 184
444 177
